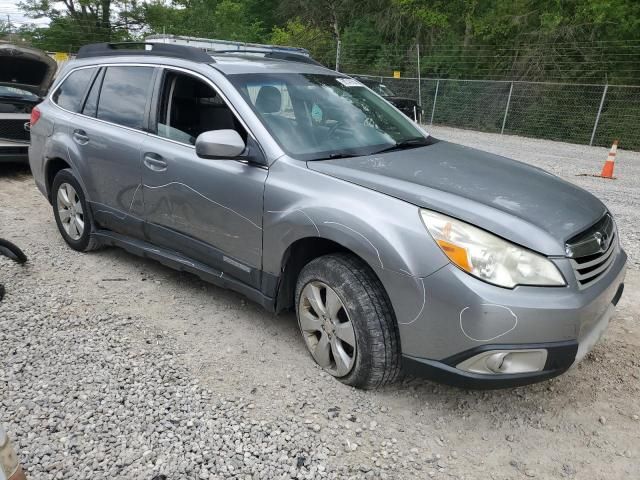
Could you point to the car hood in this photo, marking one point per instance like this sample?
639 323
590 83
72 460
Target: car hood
26 68
524 204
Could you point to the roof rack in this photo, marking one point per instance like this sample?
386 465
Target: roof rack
277 54
215 44
144 49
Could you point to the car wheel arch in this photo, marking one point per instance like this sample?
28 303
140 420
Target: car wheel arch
52 167
296 256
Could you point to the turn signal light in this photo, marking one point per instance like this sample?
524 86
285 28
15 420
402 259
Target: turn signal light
456 254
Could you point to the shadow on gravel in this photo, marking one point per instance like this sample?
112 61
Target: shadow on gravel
14 171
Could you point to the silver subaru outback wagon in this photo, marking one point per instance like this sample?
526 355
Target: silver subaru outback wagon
303 189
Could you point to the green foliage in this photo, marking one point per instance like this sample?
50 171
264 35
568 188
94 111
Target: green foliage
62 35
319 42
223 19
589 41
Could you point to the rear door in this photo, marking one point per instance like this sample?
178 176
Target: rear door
109 139
208 210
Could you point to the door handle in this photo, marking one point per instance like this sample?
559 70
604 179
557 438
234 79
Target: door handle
154 162
80 137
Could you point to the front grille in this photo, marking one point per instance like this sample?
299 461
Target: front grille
13 130
593 251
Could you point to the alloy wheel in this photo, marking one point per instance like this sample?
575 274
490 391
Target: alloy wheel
327 329
70 211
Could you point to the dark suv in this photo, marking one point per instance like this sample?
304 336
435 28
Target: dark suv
409 106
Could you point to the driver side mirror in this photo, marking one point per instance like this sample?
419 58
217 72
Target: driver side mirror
219 144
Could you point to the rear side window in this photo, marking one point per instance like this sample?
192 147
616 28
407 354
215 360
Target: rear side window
91 104
71 93
124 95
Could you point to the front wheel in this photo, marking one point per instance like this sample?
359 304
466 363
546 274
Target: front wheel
347 322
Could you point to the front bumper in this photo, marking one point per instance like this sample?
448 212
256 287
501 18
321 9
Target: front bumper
560 357
449 317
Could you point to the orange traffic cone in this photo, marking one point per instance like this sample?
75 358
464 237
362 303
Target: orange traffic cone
607 169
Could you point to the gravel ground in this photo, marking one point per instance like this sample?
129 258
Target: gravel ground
117 367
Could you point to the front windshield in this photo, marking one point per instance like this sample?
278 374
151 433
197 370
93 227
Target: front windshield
316 117
16 92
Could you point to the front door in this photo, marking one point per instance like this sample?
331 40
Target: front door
208 210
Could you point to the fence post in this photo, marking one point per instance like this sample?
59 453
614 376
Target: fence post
506 110
419 85
595 125
435 99
338 44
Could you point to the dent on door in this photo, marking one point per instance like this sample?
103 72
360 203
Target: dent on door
213 203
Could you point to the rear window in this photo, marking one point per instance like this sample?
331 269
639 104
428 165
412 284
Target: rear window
124 95
71 93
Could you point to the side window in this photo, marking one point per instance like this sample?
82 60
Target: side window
124 95
91 103
71 93
188 106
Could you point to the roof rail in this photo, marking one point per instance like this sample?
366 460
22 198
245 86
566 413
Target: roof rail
144 49
279 55
215 44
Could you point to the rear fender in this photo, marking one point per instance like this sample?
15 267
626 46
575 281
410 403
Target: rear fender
60 145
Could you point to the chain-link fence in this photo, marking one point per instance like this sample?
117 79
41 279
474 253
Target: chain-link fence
477 92
576 113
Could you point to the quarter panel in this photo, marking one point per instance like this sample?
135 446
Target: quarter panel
60 145
40 134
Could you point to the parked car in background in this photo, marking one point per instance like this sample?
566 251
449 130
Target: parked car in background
406 105
303 189
25 77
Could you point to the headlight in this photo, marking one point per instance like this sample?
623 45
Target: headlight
488 257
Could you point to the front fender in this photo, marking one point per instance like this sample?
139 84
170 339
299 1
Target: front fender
386 232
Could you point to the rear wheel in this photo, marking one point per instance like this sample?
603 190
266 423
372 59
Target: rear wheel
347 322
72 213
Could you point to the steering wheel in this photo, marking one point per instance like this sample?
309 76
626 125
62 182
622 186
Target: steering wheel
334 128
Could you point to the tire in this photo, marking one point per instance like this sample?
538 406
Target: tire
376 358
83 241
12 251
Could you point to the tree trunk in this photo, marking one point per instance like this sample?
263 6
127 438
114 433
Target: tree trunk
468 21
335 24
105 19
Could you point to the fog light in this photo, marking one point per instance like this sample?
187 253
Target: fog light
506 361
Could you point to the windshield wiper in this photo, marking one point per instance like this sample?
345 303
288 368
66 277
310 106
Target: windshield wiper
335 156
404 144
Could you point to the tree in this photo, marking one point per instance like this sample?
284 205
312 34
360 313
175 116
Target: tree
296 33
222 19
76 20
